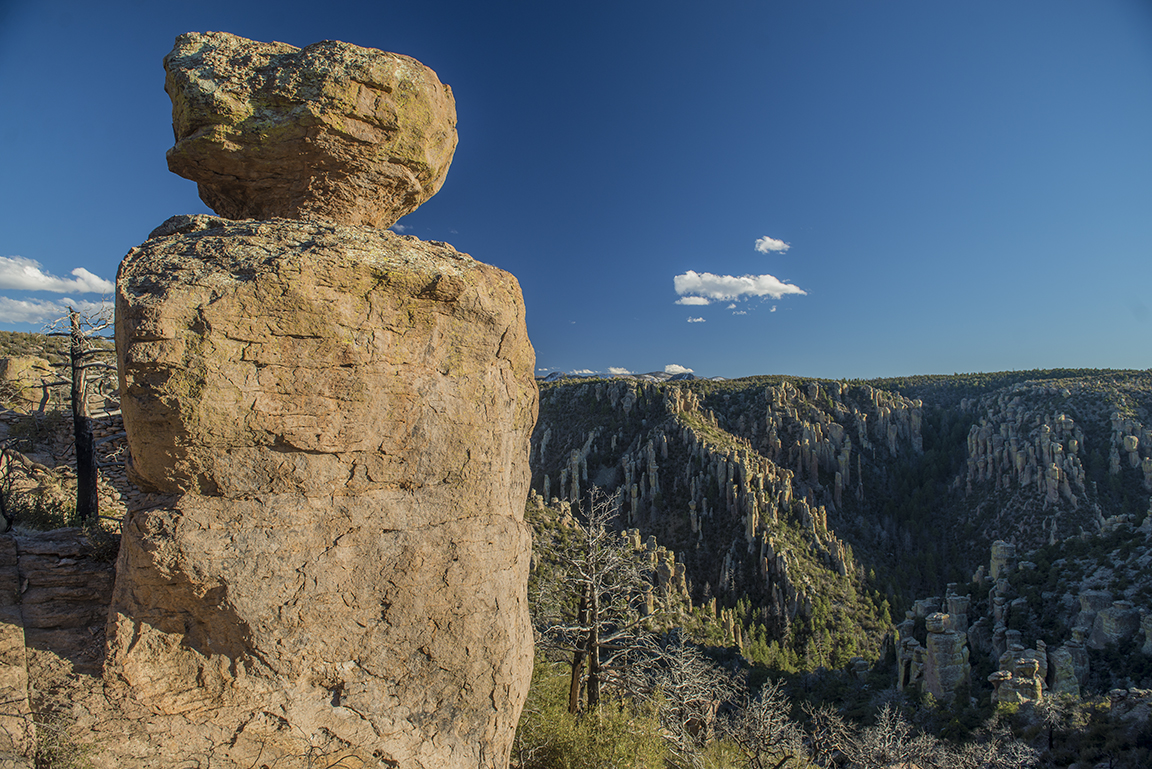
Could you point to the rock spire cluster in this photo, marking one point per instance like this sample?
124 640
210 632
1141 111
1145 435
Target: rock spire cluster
736 491
332 422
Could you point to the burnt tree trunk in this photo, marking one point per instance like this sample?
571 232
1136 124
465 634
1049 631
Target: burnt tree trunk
578 659
87 498
593 651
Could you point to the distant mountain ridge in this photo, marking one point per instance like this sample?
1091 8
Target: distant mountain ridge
652 376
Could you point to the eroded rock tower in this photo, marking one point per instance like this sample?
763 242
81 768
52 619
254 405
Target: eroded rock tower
333 424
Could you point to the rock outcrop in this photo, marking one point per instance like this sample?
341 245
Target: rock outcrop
947 667
1062 672
332 131
1022 676
1003 559
941 667
1033 446
54 590
331 423
22 378
334 423
1114 625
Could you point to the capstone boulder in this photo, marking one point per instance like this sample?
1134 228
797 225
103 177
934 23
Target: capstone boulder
330 132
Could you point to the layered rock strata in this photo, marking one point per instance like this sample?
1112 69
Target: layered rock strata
332 131
333 423
54 589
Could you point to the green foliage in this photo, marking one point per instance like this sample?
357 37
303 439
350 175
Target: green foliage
45 507
103 537
616 734
41 512
21 344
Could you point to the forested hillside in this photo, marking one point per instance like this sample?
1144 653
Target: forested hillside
825 526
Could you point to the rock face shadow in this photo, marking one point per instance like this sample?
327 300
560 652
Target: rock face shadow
54 592
64 588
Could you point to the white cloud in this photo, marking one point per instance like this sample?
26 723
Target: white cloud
728 288
43 311
401 228
695 320
27 275
731 306
618 371
740 312
766 244
773 309
676 368
693 300
583 371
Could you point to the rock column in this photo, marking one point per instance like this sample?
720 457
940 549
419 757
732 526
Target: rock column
332 422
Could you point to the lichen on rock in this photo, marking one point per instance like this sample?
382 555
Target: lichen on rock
334 424
331 423
332 131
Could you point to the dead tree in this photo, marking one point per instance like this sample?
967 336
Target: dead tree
690 689
604 577
891 741
829 735
765 733
84 358
7 475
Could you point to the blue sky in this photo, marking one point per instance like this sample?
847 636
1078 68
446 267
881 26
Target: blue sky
960 186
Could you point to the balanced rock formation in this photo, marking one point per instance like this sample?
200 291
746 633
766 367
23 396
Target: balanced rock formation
332 423
1022 674
947 667
332 131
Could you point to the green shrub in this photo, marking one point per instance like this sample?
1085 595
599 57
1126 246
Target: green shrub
613 735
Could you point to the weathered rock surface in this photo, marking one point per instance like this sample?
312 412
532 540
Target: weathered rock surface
1003 559
1113 625
332 131
22 378
1062 672
1018 680
17 735
1092 602
947 667
54 589
333 422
